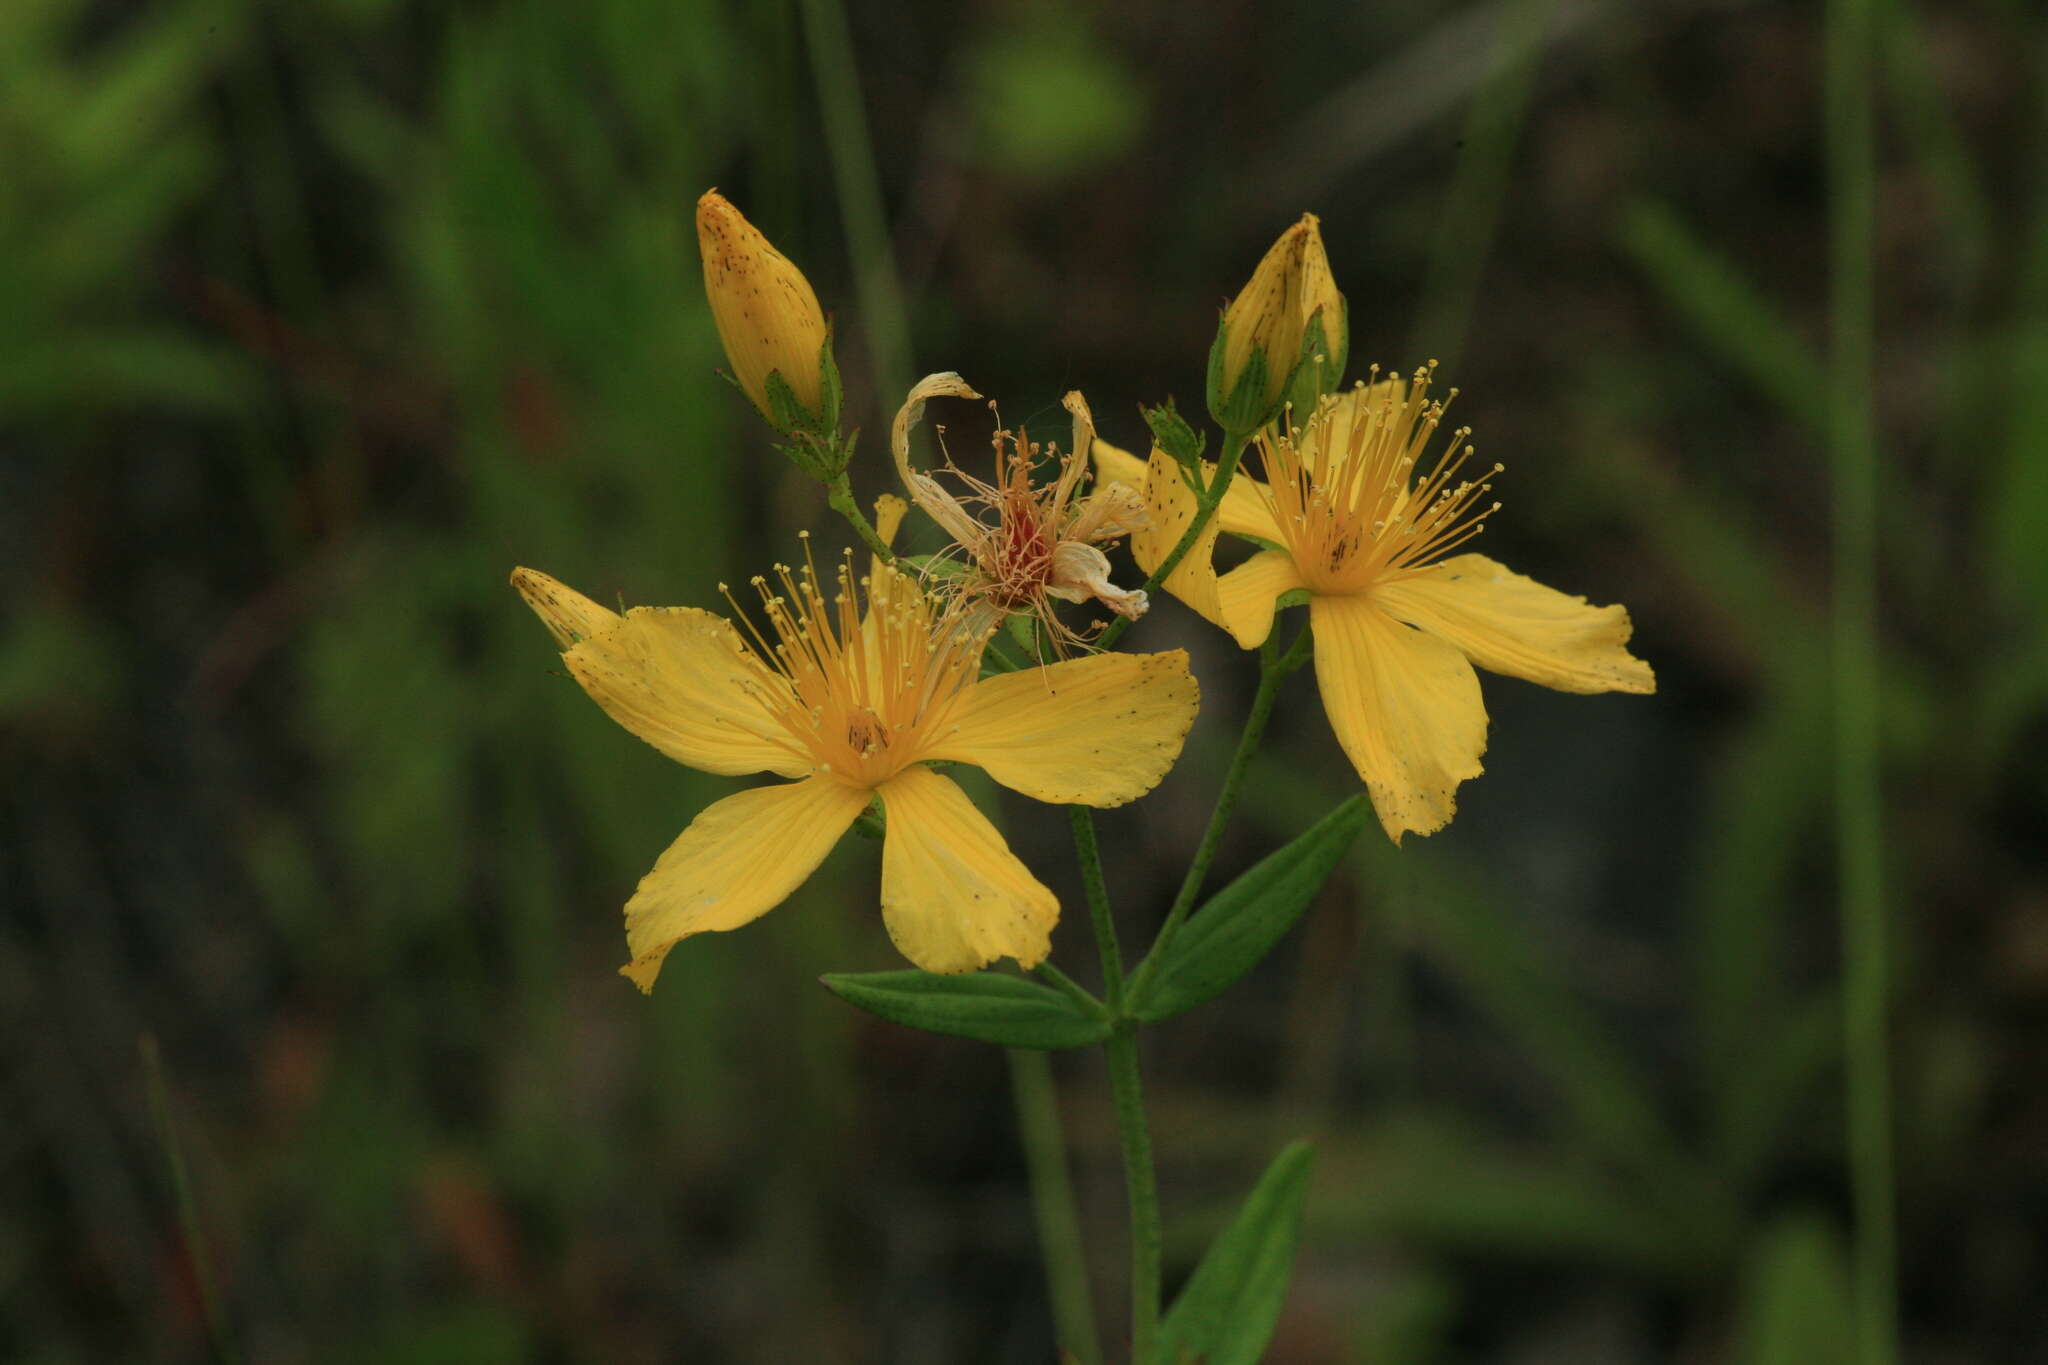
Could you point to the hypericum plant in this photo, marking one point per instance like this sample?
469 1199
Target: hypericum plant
861 682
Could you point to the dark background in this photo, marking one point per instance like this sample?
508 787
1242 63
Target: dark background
320 317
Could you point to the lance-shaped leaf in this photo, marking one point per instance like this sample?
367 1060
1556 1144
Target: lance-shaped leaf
1227 937
1226 1312
985 1006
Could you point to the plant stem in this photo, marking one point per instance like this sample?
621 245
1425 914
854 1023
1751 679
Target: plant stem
1082 819
840 497
1069 987
1136 1141
1274 669
1858 818
1052 1200
1205 508
1132 1134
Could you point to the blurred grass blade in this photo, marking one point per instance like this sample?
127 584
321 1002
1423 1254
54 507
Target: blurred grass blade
1496 959
1226 1312
1730 315
1433 1182
1240 924
1859 851
1471 208
1795 1302
984 1006
188 1210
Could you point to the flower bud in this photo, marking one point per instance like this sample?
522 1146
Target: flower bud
768 318
1291 298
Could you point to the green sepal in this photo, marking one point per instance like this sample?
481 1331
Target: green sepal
803 453
1247 408
831 394
1315 374
1293 597
1023 628
1226 1313
786 412
1239 925
1213 385
986 1006
1171 433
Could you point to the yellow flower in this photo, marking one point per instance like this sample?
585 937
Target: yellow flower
853 705
1045 541
768 317
1291 287
1395 622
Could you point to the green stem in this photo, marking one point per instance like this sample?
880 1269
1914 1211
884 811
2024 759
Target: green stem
1136 1141
1052 1200
1082 819
840 496
1858 827
1205 508
1274 669
1132 1134
1069 987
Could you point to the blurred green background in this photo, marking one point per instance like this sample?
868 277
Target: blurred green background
320 317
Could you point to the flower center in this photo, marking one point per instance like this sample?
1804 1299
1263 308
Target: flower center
858 689
1338 486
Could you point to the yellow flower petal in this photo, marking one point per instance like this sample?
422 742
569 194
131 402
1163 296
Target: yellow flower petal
1244 511
1248 592
1406 708
567 613
680 679
954 897
1095 731
1514 625
739 859
1170 507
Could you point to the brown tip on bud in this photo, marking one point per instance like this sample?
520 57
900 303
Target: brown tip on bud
768 317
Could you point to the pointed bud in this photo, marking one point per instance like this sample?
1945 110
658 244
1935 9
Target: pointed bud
1290 302
768 318
567 613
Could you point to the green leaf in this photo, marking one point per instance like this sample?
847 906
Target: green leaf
984 1006
1226 1311
1228 936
